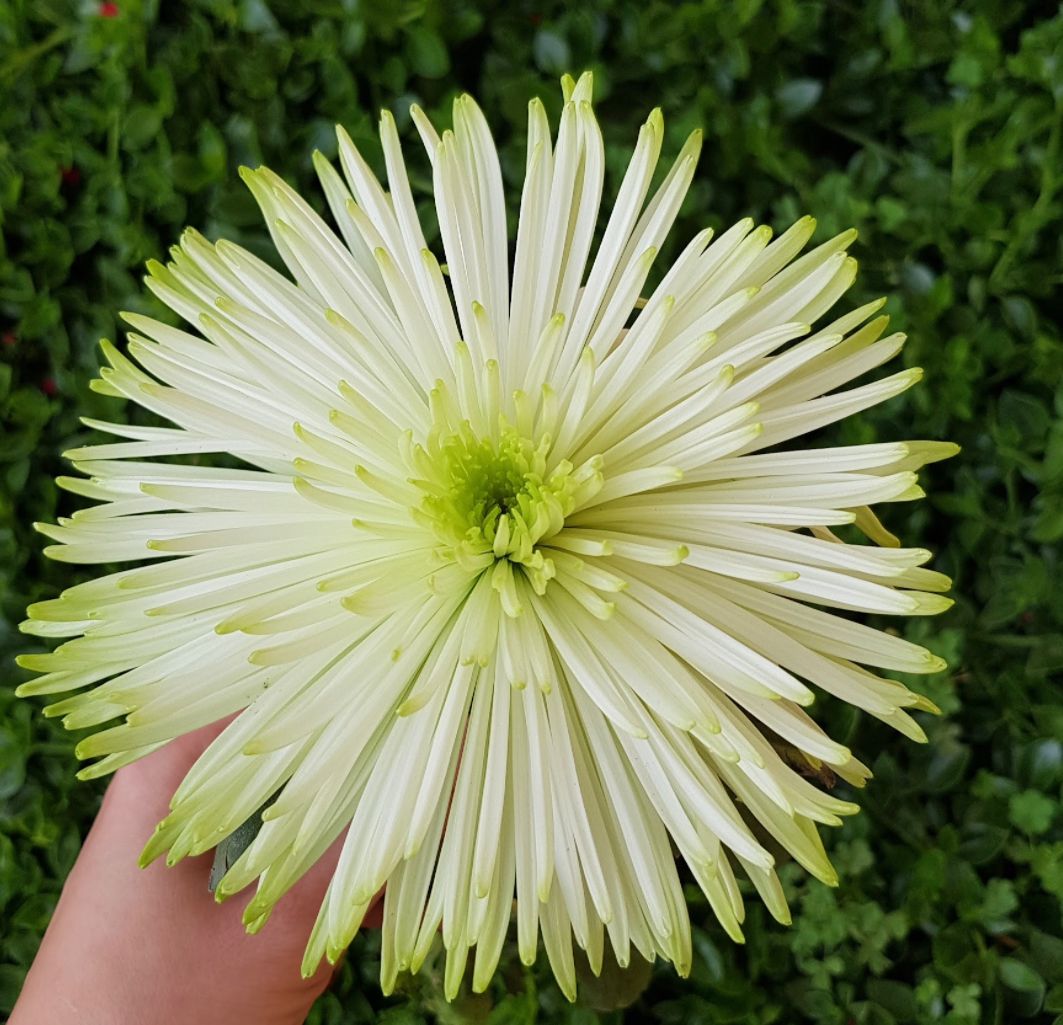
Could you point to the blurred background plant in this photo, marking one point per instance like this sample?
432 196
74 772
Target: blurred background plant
932 127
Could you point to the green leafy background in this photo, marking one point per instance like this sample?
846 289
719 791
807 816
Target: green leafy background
932 127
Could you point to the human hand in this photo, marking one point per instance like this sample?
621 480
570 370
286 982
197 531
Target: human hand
128 946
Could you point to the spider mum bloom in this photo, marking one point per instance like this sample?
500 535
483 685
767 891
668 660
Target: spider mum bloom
514 583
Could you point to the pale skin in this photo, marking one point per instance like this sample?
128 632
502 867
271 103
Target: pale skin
129 945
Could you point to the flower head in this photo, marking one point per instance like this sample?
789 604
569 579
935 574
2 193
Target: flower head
513 580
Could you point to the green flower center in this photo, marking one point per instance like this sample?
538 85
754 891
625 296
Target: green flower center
497 498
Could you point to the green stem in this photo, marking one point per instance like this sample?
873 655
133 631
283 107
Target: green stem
25 57
1036 216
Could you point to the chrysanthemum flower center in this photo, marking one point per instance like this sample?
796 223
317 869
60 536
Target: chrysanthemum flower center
498 498
491 499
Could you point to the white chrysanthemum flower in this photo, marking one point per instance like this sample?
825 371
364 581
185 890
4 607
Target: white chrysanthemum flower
520 597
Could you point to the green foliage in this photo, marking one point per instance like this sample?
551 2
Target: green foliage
932 127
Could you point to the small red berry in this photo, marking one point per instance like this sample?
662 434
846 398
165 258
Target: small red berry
70 175
9 339
108 9
49 387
